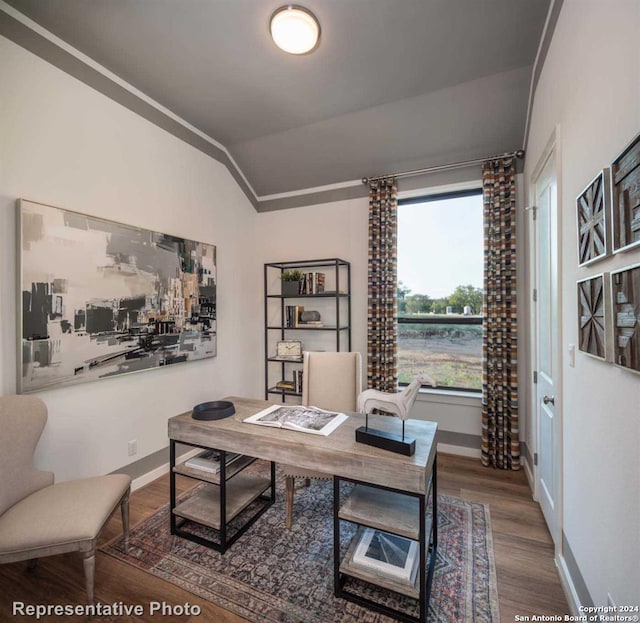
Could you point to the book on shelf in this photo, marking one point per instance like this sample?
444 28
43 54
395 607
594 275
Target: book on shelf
300 418
297 381
289 386
209 461
388 555
312 283
292 315
311 323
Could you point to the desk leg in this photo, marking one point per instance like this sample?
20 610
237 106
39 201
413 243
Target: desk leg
172 485
336 537
423 601
223 501
273 482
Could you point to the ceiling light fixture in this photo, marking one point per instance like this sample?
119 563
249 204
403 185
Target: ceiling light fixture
295 29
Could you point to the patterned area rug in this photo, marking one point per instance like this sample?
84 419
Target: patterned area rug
271 575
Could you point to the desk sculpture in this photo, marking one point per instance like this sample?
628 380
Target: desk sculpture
399 405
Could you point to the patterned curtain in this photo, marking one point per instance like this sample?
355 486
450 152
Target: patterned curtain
382 334
500 434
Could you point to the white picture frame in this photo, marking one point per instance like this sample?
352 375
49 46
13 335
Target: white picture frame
390 555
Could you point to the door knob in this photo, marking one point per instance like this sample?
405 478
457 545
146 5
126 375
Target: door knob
548 400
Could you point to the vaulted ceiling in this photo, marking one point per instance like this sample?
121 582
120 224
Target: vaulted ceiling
394 84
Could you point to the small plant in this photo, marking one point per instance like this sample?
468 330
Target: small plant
291 275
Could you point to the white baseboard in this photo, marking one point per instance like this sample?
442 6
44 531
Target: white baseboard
529 473
567 586
145 479
459 450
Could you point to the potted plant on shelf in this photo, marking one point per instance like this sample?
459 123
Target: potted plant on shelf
290 282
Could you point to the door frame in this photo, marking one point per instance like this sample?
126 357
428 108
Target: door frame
551 150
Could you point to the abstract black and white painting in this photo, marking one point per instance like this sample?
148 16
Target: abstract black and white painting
98 299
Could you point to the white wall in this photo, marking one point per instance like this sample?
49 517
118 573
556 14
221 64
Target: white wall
340 229
66 145
590 85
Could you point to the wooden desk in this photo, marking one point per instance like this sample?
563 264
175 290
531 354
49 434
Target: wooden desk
337 454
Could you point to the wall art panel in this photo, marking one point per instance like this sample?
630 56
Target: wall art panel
592 218
625 288
592 316
625 197
98 298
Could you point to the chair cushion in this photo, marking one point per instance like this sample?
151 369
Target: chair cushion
62 513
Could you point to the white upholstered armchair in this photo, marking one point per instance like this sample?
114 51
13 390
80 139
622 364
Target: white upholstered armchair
39 518
330 381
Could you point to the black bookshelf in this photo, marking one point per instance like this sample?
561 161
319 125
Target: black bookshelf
336 336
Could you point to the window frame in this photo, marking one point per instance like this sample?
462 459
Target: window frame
461 320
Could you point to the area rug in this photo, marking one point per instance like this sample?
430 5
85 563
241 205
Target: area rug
274 575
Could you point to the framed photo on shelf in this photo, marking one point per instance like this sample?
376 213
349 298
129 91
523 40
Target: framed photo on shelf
625 198
592 215
393 556
592 317
625 295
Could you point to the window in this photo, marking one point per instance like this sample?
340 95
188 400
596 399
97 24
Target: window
440 289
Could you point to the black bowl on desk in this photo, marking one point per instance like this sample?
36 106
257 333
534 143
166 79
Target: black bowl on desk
215 410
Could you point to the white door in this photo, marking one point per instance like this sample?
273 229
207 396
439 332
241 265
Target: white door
547 343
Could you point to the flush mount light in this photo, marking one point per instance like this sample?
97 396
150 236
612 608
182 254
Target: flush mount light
294 29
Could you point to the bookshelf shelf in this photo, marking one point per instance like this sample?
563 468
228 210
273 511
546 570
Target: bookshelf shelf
323 328
333 276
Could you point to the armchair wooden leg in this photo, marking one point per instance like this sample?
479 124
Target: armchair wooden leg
32 564
124 508
307 482
89 564
289 484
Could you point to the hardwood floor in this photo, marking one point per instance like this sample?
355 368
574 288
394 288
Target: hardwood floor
528 581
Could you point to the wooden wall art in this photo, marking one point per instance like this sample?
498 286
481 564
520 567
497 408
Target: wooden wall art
592 208
98 299
592 330
625 197
625 287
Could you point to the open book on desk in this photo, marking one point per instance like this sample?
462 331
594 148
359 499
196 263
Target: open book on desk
295 417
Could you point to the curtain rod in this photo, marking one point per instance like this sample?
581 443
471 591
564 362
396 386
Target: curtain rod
444 167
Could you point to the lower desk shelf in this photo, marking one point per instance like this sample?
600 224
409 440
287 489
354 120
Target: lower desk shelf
348 567
222 498
204 506
395 512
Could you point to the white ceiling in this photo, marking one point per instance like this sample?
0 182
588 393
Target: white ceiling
394 83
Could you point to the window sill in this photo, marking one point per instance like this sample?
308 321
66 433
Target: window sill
451 397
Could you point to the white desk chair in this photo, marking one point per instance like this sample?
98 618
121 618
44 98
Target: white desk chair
330 381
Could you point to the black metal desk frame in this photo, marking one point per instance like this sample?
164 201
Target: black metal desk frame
428 544
225 542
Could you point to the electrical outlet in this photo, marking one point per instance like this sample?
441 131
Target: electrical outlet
572 355
133 447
